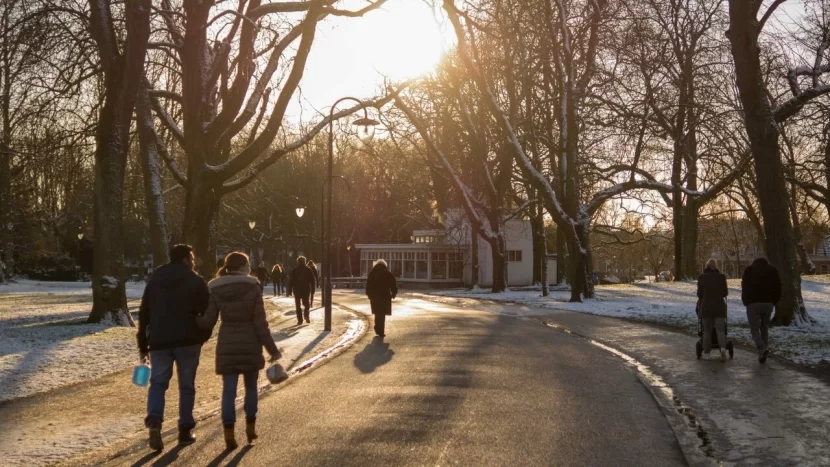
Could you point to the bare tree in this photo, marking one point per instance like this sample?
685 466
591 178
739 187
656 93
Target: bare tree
762 119
123 66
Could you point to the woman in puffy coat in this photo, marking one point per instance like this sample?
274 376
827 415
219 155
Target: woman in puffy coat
712 292
236 297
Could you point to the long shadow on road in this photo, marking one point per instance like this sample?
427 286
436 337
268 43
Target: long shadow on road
375 354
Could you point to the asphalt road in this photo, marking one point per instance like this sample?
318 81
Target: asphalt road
450 386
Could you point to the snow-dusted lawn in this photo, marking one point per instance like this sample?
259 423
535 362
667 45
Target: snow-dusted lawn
45 343
673 304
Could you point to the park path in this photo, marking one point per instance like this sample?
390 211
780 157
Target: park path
78 421
449 386
745 413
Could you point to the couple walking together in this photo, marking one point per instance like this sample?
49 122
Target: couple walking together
177 315
760 292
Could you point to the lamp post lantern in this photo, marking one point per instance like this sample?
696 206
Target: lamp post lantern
300 211
366 130
252 224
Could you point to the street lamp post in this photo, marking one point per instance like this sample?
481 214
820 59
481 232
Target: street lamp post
323 220
366 130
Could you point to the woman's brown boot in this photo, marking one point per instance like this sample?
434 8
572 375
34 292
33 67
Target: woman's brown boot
230 442
250 430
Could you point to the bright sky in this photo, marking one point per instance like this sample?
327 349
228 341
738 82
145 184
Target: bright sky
350 56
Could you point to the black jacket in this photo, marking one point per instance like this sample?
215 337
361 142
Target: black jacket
381 288
172 299
301 281
261 275
711 290
760 283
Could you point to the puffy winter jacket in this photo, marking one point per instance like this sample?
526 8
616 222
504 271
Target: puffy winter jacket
244 329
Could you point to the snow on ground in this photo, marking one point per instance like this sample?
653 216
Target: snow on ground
673 304
45 342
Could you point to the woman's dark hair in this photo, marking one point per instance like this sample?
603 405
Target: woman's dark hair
234 261
180 252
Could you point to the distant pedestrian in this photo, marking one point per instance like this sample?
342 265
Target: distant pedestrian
277 276
381 288
300 284
314 270
262 275
760 293
237 298
167 333
712 291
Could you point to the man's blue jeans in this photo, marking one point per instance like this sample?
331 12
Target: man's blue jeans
161 370
229 383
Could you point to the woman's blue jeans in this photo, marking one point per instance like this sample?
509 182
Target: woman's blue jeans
229 383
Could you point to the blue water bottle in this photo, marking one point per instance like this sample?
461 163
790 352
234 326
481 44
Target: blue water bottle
141 375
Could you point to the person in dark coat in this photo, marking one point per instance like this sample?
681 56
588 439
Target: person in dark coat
316 272
760 292
300 284
381 288
167 332
277 276
262 275
237 298
711 293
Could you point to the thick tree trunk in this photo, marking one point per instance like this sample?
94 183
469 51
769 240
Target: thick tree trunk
6 226
582 271
108 274
689 268
497 250
763 135
153 196
122 73
561 254
199 230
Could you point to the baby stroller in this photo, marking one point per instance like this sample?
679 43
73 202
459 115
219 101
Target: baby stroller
715 343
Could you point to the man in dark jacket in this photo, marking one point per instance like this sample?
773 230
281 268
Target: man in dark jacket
301 283
711 292
381 288
760 292
262 275
167 333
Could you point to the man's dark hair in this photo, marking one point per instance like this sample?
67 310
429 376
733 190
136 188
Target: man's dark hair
180 252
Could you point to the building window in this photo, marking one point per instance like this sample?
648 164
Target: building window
439 265
824 269
514 256
421 265
409 269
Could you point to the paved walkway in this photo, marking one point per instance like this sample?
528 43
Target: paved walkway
76 422
750 414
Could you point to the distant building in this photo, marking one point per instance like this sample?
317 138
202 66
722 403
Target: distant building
443 258
821 256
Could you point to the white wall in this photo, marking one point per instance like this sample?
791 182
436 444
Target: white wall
519 236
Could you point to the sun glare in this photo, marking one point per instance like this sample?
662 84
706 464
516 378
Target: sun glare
351 56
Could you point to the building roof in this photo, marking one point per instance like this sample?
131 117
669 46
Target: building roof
406 246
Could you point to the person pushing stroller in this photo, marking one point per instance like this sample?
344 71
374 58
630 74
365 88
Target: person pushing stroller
711 292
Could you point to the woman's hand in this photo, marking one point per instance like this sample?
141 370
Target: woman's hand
276 357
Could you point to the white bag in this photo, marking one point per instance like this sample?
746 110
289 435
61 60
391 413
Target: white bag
276 374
